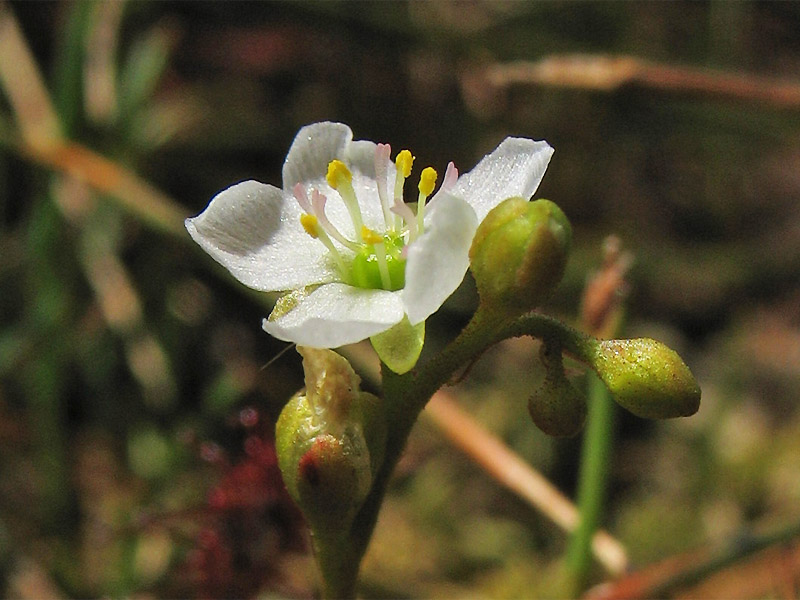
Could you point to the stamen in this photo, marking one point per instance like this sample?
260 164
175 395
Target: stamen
369 236
382 154
383 266
310 224
314 218
427 181
338 173
403 162
318 201
312 227
340 178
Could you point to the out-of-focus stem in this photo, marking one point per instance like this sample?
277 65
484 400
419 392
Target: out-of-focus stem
509 469
43 142
592 480
601 315
132 193
611 72
23 84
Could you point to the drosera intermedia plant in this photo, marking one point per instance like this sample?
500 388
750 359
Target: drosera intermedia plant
355 261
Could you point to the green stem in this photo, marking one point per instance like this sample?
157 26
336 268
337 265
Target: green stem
405 396
593 476
338 560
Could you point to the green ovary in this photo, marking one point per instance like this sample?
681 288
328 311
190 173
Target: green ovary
365 269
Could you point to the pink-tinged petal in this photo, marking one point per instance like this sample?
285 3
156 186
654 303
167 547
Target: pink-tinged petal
254 231
312 149
337 314
438 259
514 168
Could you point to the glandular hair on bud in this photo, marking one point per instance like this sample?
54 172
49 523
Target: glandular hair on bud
556 407
647 377
330 439
519 254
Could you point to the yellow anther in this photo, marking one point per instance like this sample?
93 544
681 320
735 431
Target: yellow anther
427 181
369 236
404 162
338 173
310 224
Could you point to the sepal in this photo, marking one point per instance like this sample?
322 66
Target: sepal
399 347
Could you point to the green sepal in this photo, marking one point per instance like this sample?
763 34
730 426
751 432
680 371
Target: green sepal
399 347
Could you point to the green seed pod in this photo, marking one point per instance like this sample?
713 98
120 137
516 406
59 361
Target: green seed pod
556 407
330 440
647 378
519 253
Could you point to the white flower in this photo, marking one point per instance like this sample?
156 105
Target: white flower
357 259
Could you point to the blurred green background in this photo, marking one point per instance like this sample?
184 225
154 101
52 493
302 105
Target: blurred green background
135 414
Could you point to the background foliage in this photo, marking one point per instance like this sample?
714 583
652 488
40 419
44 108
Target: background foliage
135 414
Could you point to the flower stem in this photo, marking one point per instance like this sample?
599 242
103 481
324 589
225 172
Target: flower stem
592 481
405 396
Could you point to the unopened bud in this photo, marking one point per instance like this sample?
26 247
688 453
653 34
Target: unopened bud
556 407
330 440
519 253
647 378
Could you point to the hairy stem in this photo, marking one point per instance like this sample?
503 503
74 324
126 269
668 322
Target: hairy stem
405 397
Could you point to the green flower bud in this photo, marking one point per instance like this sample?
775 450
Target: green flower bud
647 378
330 440
556 407
519 253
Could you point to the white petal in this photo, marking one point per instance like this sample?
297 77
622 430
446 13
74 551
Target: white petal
438 260
313 148
337 314
514 168
254 231
360 157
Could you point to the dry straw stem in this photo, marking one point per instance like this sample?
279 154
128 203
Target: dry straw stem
132 193
22 82
608 73
509 469
42 140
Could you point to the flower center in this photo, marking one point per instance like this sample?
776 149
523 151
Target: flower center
372 259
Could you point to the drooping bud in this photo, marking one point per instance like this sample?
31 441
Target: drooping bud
647 378
556 407
519 253
330 440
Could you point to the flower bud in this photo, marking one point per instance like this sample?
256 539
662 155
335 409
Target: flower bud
330 440
647 378
519 253
556 407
